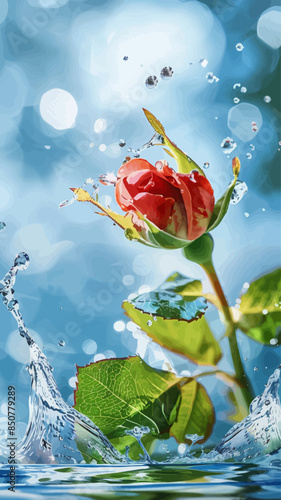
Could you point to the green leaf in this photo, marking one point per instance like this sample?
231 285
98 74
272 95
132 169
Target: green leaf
221 206
185 164
119 394
196 413
192 339
260 308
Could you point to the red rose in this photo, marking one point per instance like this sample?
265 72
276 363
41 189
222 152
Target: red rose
164 208
179 204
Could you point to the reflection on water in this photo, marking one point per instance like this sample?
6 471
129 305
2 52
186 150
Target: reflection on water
223 481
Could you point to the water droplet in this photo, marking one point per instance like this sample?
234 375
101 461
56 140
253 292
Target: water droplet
47 146
236 85
61 343
238 192
166 73
267 99
256 369
102 147
203 62
245 359
273 341
236 100
151 82
149 323
66 203
246 214
125 58
206 164
137 153
254 127
243 90
279 143
265 311
122 143
155 318
228 145
91 145
21 261
216 117
239 47
249 156
210 77
252 147
2 226
267 402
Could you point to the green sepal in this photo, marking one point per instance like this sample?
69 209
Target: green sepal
221 206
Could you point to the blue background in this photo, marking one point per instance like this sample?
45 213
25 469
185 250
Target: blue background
74 286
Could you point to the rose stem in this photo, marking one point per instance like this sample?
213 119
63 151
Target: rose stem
246 387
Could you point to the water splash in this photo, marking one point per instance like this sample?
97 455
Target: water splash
56 433
260 432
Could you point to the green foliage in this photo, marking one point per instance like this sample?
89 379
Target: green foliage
196 413
173 316
119 394
260 308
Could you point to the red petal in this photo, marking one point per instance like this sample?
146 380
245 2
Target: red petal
134 166
155 208
202 202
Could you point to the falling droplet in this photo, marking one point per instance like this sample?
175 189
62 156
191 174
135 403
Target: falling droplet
236 85
203 62
149 323
243 90
265 311
228 145
240 189
239 47
256 369
166 73
2 226
210 77
236 100
61 343
267 99
249 156
125 58
47 146
122 143
273 341
254 127
66 203
206 165
252 147
151 82
246 214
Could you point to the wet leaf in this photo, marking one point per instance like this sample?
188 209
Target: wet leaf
192 339
119 394
196 413
260 308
